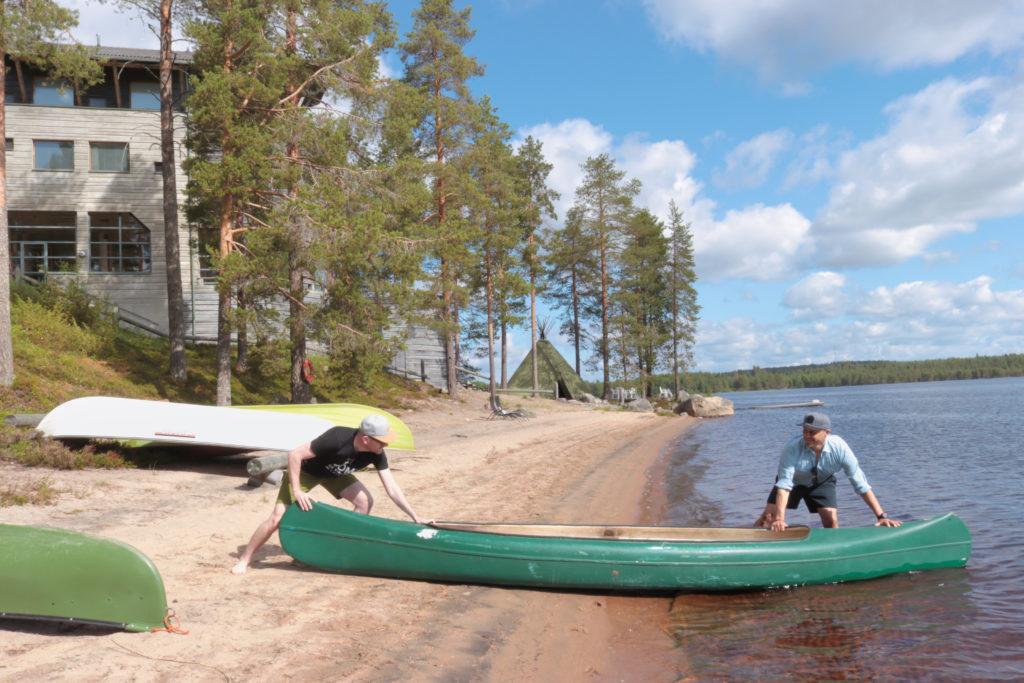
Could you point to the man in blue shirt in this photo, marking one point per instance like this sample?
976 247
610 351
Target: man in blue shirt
807 472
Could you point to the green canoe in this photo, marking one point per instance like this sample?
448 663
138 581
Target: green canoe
62 575
617 558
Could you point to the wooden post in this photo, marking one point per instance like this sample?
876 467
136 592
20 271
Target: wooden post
423 370
263 462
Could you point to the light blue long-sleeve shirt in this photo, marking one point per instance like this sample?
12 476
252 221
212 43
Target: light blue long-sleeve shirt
797 460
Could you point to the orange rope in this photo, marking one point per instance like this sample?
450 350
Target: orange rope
171 624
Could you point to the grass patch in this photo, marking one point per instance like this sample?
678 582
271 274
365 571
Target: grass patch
19 446
67 346
40 492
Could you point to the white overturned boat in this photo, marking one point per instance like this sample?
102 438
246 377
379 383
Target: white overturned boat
105 417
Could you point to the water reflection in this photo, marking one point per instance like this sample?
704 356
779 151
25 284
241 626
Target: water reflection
895 627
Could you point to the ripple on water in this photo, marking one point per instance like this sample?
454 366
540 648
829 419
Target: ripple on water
922 459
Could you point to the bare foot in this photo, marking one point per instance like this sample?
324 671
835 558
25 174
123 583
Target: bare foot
240 567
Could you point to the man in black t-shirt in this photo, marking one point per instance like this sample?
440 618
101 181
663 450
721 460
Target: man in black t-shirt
330 460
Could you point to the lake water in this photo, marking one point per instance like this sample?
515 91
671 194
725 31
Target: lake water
926 449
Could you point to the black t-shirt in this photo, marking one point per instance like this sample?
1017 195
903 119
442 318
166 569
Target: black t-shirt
335 455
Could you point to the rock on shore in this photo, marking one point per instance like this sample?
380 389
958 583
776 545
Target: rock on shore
705 406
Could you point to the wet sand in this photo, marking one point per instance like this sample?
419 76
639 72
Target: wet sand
568 464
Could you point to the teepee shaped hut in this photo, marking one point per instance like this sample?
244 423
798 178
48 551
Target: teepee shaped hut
552 370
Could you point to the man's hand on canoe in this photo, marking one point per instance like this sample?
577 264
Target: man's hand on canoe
303 500
889 522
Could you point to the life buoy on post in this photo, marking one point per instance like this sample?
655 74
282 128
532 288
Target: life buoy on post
307 371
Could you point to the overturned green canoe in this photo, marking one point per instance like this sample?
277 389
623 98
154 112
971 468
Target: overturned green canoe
62 575
617 558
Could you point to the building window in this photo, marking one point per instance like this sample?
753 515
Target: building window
54 155
52 93
158 167
8 144
42 242
145 95
110 157
118 243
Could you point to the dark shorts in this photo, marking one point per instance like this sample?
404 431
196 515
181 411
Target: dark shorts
821 496
307 482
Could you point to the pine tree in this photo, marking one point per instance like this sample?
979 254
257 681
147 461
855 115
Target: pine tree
231 141
605 200
533 171
329 50
36 32
494 212
569 270
682 278
160 14
643 296
438 69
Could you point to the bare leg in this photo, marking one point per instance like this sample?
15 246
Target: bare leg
829 517
359 496
263 533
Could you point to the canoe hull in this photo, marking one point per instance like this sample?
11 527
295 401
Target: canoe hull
338 540
62 575
105 417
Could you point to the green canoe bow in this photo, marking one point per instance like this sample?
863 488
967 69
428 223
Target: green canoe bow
62 575
345 415
617 558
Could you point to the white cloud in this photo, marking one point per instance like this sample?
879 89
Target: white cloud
907 321
750 162
566 145
772 237
813 160
786 40
111 26
819 295
953 156
758 242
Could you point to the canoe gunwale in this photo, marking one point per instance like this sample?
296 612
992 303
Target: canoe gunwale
113 625
630 533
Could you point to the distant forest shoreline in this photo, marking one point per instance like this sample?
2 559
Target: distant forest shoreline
849 373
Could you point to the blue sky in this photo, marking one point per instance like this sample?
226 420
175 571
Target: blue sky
853 172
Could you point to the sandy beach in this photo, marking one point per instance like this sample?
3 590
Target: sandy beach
568 464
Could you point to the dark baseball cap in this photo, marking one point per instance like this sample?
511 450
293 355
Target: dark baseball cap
816 421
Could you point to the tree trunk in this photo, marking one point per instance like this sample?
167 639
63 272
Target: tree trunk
223 347
6 346
301 391
241 335
533 323
490 328
172 255
504 354
576 321
605 351
227 222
